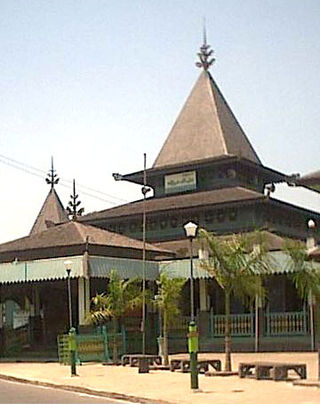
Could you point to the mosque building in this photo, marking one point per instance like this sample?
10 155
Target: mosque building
207 172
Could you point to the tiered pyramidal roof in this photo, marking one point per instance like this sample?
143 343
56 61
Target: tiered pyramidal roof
206 127
52 211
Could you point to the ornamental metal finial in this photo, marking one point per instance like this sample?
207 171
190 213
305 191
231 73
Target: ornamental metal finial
205 52
72 209
52 177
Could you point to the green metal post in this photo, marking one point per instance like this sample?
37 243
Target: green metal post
193 347
72 349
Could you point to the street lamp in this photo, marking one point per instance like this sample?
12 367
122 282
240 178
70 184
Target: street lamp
68 265
193 336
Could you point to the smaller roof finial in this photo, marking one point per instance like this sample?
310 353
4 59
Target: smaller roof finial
204 31
52 177
205 51
72 209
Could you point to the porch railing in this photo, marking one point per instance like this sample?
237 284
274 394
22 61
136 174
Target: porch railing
290 323
241 325
180 324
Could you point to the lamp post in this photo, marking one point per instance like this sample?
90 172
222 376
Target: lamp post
68 265
72 330
193 336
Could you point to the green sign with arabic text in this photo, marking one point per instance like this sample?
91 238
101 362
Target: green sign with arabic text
186 181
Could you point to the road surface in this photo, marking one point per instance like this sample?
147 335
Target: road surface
20 393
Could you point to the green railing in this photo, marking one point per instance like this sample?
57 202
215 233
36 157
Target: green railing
91 347
180 324
290 323
241 325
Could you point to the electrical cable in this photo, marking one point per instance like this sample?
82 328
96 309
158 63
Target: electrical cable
41 174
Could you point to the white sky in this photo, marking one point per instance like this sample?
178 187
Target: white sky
98 83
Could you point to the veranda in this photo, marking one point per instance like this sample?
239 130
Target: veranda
34 307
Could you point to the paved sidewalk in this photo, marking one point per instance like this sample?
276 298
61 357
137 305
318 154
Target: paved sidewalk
160 386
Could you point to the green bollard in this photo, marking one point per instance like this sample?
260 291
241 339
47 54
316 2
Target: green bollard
193 347
72 349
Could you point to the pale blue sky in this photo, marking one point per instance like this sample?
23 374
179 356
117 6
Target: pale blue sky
96 83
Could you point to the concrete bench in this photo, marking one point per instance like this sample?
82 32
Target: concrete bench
271 370
202 365
134 359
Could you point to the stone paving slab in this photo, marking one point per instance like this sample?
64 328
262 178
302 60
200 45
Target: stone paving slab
168 387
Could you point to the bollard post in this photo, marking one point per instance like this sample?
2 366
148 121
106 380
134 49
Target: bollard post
72 350
193 346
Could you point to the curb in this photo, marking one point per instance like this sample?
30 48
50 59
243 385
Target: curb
307 383
86 390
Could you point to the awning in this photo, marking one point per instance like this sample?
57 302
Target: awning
100 267
280 264
39 270
54 269
127 268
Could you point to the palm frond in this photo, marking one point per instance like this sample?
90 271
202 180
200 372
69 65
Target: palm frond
121 296
305 275
237 263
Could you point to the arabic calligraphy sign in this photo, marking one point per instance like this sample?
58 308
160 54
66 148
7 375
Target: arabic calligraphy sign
180 182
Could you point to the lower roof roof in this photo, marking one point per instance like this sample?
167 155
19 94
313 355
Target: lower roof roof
75 233
188 200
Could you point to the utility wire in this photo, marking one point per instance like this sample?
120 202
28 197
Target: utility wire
41 174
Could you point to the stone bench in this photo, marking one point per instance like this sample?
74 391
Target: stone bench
271 370
134 359
202 365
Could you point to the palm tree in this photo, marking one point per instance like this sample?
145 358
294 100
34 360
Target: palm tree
121 297
305 276
169 291
236 263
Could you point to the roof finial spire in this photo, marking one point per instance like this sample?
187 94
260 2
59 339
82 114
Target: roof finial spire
74 204
205 51
204 31
52 177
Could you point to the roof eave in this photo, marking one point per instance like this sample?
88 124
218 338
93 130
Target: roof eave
137 177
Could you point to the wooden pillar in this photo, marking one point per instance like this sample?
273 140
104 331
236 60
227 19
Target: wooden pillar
311 320
83 299
203 294
87 294
36 300
203 283
259 323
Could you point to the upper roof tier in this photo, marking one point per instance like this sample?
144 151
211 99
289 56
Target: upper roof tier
51 213
205 128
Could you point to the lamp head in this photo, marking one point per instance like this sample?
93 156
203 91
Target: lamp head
117 176
311 224
68 265
191 230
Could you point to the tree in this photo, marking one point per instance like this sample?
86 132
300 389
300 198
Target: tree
236 263
121 297
304 275
169 291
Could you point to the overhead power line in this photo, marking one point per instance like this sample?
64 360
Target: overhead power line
37 172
